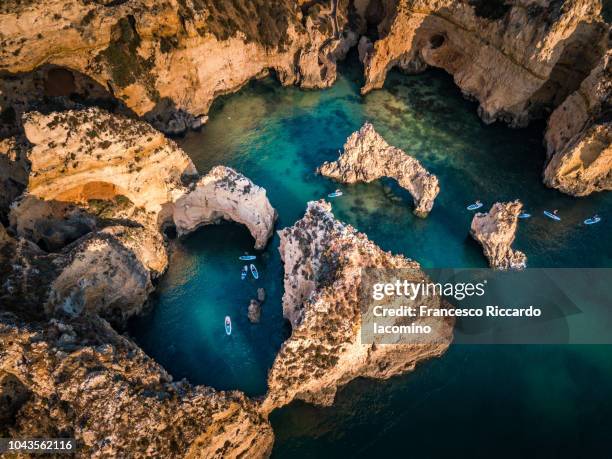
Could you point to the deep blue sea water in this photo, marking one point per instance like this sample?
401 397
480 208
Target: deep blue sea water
475 401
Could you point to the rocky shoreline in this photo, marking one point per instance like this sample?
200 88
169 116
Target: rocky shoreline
97 200
97 204
324 262
144 59
88 196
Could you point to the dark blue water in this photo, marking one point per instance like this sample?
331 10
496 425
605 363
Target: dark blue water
494 399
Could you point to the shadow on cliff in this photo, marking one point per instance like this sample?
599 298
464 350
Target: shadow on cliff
53 225
51 88
433 45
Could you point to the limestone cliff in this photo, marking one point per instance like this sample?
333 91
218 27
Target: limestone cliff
223 193
79 378
167 60
87 251
367 157
82 159
324 262
80 155
518 58
579 136
496 231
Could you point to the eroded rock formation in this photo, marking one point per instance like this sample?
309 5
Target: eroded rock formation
167 60
324 262
86 251
518 58
367 157
496 231
579 136
81 379
80 155
223 193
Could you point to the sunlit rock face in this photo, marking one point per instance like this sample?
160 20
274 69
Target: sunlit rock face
517 58
496 231
80 155
579 136
323 261
82 254
167 60
80 378
367 157
224 194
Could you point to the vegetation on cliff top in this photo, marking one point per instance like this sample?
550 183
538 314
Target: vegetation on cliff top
260 21
126 65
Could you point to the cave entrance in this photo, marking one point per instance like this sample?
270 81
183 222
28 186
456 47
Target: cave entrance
437 41
59 82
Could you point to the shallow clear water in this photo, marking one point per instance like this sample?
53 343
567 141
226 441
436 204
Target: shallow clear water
277 137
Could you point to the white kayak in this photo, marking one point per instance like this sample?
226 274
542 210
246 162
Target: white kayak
247 257
228 325
335 194
475 206
551 215
244 272
524 215
592 220
254 271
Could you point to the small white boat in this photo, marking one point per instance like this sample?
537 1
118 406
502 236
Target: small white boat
228 325
475 206
592 220
552 216
524 215
254 271
247 257
335 194
244 272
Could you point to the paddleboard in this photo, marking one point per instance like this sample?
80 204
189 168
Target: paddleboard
524 215
244 272
247 257
551 215
254 271
228 325
474 206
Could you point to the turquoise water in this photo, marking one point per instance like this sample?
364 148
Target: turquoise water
473 395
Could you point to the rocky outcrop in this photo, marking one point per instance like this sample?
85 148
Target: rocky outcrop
90 167
367 157
496 231
83 155
579 136
254 311
324 269
167 60
518 58
64 369
81 379
223 193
